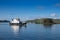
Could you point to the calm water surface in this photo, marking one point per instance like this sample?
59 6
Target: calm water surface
29 32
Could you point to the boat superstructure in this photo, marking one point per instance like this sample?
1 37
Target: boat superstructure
15 21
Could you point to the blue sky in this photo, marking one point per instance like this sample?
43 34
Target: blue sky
29 9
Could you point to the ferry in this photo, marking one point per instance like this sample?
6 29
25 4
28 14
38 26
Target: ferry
16 21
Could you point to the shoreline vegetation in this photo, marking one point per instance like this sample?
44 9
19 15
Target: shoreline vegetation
40 21
4 21
44 21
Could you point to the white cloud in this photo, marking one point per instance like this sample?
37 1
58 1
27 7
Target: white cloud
53 14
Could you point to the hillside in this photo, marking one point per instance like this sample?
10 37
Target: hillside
41 21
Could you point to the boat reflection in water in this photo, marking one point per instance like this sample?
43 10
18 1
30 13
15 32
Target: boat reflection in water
16 28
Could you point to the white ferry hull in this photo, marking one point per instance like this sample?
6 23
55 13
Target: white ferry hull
20 23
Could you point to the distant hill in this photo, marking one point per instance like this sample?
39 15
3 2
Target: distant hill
41 21
4 21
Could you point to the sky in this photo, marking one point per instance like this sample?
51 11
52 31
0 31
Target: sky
29 9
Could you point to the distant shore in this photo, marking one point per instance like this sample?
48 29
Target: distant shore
44 21
40 21
4 21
